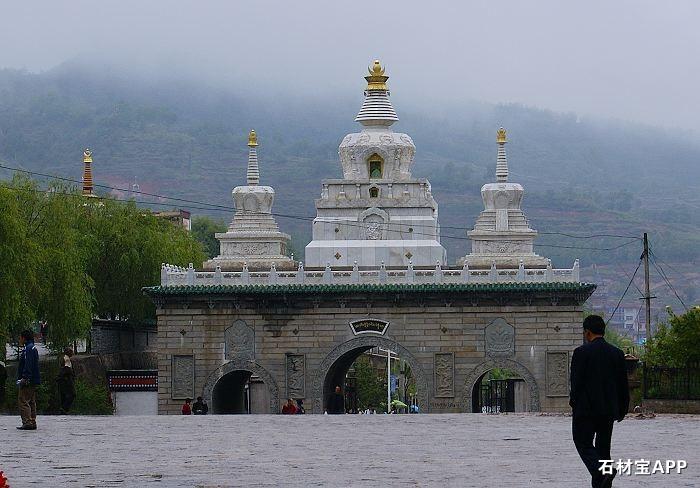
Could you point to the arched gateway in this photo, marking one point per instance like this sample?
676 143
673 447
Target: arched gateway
334 367
509 364
236 373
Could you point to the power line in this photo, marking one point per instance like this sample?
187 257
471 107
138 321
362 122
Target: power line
211 206
78 195
666 280
625 292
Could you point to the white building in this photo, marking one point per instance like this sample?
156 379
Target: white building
502 235
377 213
253 239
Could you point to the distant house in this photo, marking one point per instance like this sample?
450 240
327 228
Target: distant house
178 217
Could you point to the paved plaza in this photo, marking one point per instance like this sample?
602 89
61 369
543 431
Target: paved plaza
465 450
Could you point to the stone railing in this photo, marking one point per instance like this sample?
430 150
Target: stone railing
175 275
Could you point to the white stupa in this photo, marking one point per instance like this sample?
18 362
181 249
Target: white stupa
377 213
502 234
253 238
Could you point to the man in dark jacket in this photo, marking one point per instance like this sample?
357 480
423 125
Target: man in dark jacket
200 407
27 380
336 402
599 396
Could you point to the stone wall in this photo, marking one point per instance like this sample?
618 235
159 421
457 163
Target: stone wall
672 406
112 336
448 347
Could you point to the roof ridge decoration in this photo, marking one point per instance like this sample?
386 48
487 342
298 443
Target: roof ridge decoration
376 109
253 173
376 79
501 161
87 174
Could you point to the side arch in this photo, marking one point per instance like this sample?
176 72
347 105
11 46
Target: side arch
490 364
365 342
243 365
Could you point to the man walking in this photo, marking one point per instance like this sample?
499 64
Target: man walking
599 396
27 380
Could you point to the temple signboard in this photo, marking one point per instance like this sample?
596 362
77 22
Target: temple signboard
369 326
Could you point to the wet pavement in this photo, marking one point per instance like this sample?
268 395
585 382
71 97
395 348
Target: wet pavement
467 450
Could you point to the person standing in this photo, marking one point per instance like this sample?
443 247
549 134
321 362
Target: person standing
186 407
3 381
289 408
336 403
599 396
200 407
66 381
28 378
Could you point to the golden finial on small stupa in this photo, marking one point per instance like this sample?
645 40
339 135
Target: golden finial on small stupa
87 156
501 136
252 139
376 79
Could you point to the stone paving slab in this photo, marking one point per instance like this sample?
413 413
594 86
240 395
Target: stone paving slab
462 450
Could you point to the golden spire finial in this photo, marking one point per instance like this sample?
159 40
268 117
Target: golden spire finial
252 138
501 136
87 156
376 79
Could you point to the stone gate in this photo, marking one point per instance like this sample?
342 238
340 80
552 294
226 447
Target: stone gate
299 338
376 276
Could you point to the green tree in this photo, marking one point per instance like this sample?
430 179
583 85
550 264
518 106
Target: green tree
45 272
65 258
618 340
677 342
203 229
127 247
371 388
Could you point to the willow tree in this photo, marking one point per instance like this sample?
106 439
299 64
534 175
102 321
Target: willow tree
128 245
65 258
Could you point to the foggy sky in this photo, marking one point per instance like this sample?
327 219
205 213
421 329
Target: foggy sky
634 60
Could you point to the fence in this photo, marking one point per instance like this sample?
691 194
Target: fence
665 383
174 275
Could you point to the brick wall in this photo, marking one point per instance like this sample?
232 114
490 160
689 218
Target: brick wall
315 331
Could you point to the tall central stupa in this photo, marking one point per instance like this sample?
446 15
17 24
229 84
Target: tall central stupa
377 213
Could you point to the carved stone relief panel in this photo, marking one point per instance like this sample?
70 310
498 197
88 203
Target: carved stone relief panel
250 248
296 376
499 337
239 341
444 366
183 377
557 373
504 247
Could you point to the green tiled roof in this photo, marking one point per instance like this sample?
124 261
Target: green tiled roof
183 290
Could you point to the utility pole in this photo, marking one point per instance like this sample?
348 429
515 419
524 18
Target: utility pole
388 381
647 295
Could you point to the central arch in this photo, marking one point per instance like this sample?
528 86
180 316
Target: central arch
490 364
343 355
235 367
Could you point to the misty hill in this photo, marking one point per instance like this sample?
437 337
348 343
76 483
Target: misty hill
188 140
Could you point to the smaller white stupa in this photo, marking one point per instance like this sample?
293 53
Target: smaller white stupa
502 234
253 238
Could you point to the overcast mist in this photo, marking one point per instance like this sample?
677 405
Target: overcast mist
633 60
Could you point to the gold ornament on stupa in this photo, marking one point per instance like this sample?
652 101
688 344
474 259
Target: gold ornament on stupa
376 79
87 173
501 136
252 139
